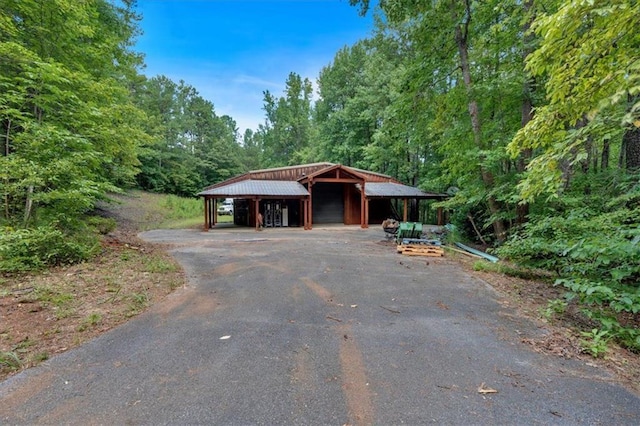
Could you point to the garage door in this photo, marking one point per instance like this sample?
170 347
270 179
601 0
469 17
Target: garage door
328 202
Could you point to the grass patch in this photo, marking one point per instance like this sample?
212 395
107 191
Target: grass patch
23 346
188 223
159 265
553 308
137 303
510 270
102 225
225 219
10 361
90 321
56 297
62 313
170 211
40 357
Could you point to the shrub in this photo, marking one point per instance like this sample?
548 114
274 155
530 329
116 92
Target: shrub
103 225
33 249
593 246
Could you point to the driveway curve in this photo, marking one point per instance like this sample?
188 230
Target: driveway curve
329 326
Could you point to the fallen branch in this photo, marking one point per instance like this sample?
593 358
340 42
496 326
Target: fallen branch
390 310
475 228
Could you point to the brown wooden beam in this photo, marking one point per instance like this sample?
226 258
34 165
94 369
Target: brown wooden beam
366 213
213 211
256 209
337 180
363 207
306 214
206 214
310 207
404 213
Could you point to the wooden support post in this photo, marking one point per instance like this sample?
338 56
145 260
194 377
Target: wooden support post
440 216
305 213
214 211
366 213
310 207
404 213
206 214
256 210
363 207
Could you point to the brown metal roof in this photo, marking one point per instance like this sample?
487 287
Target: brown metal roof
374 176
253 188
294 173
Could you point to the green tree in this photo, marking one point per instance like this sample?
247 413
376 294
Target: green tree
341 133
192 147
251 156
588 55
69 128
585 224
70 131
287 130
459 94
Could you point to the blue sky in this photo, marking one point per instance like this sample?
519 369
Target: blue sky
233 50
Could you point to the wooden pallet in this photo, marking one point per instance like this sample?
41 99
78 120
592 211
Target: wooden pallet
420 250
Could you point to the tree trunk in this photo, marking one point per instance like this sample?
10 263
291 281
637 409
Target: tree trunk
522 209
586 163
28 205
461 33
6 182
604 160
7 135
623 149
566 174
631 141
474 113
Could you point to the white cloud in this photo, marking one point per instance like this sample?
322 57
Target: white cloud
256 81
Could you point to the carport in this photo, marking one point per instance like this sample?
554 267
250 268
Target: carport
376 192
252 192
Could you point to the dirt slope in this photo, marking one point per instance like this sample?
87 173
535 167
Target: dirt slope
47 313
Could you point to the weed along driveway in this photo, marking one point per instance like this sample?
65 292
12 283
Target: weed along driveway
329 326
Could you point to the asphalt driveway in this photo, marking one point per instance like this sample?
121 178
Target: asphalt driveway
315 327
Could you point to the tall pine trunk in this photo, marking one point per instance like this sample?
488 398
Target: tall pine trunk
631 143
604 160
6 152
461 34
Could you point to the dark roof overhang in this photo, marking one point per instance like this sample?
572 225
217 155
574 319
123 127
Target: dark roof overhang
397 190
258 189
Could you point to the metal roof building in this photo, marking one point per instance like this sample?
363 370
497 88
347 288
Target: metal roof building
311 193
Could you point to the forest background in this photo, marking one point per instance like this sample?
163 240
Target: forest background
526 112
